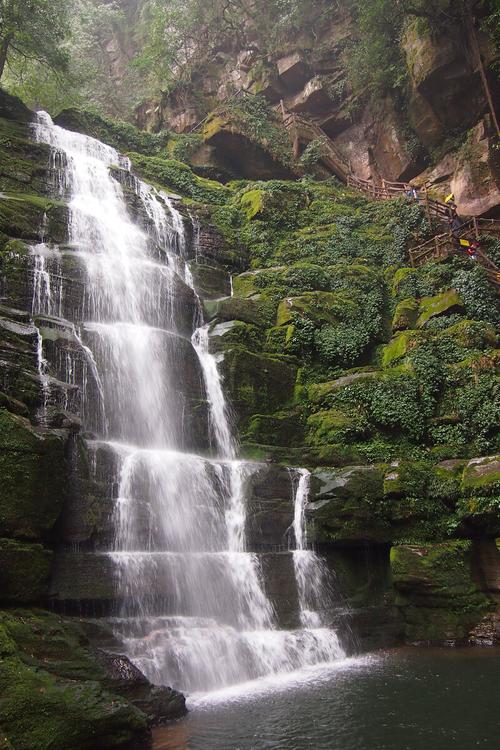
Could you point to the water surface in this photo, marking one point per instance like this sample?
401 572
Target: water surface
404 699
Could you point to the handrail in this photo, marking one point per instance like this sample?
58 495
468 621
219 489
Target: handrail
443 245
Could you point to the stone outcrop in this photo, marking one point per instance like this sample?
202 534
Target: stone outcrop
377 138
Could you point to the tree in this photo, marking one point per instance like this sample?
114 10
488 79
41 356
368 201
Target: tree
34 30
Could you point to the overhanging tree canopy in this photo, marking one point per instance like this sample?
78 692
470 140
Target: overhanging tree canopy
34 30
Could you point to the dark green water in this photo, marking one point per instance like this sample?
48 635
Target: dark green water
398 700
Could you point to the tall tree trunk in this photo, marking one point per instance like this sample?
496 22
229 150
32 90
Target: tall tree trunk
476 53
4 51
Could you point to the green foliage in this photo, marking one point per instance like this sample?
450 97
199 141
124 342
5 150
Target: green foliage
33 30
172 174
313 153
260 122
171 32
184 146
78 28
477 294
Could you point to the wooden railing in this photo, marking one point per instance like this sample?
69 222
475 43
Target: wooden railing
302 130
443 245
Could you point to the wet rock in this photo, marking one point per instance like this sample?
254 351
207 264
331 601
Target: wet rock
24 572
158 703
256 384
34 477
439 598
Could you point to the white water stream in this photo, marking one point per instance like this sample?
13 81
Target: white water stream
194 609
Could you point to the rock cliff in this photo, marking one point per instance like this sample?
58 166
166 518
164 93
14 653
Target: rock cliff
336 355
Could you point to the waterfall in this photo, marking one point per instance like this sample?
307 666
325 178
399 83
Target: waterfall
193 609
314 585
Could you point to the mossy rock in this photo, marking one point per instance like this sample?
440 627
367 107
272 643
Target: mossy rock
398 347
439 597
318 307
482 474
34 477
436 574
405 315
235 333
401 276
441 304
12 108
347 505
32 217
24 572
38 710
407 478
282 428
244 284
255 383
334 426
174 175
259 310
318 392
279 339
210 282
471 334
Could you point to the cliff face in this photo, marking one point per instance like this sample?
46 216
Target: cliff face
442 135
336 355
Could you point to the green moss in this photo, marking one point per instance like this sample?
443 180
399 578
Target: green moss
405 314
34 476
174 175
259 310
439 597
279 339
24 571
444 303
318 307
334 426
252 203
235 333
257 384
397 348
482 473
282 428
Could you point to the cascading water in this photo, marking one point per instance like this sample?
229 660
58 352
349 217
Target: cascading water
194 610
313 578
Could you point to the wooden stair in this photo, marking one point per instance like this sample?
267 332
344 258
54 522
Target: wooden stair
443 245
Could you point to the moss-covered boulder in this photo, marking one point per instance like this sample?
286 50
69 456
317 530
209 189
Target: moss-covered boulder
334 426
441 304
347 505
259 310
438 595
24 572
405 315
34 475
59 690
318 307
235 333
398 347
482 473
257 384
210 282
282 428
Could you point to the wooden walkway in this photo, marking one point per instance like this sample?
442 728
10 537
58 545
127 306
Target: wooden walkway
443 245
302 131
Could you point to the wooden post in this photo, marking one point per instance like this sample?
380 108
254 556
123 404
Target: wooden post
283 110
476 229
427 207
